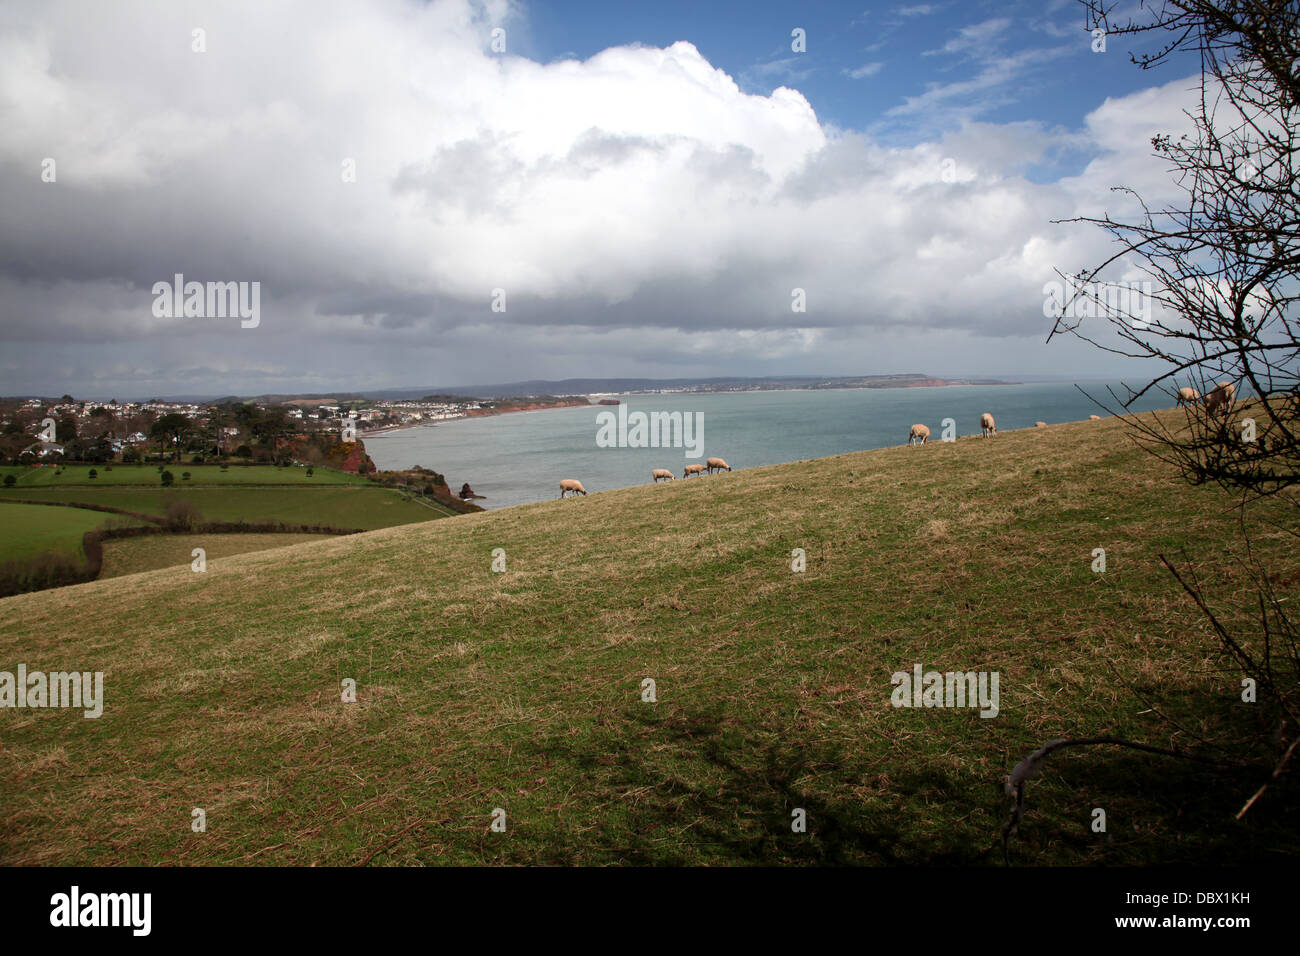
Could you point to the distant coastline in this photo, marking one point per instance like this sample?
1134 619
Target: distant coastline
564 402
596 399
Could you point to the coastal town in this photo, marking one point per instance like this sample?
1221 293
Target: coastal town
49 431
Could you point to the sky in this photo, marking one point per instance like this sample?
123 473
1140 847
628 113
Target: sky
457 192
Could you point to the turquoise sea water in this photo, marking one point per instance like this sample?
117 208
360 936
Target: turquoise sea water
520 457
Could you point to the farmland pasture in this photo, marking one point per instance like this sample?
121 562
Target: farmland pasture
29 530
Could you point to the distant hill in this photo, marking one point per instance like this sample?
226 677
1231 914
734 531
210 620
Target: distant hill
588 386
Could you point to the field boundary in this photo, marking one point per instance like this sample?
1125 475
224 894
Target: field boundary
49 570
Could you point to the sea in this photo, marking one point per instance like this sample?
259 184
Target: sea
520 457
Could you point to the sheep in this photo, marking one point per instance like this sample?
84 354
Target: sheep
658 473
693 470
1186 396
1094 418
571 484
1040 424
716 464
987 425
1221 397
918 431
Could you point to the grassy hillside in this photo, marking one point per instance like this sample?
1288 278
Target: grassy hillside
133 555
522 690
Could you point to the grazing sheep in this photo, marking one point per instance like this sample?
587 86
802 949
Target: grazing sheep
1187 395
1221 397
693 470
661 473
571 484
1094 418
1040 424
987 425
716 464
918 431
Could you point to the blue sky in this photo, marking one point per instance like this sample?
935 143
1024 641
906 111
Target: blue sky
899 70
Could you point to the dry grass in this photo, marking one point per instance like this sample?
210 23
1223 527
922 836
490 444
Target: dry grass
522 690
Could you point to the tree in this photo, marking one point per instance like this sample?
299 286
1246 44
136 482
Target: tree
1224 261
65 430
170 429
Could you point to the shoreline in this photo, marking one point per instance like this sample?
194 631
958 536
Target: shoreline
592 399
476 413
853 451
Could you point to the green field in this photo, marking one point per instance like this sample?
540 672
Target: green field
367 507
148 475
149 552
522 690
28 530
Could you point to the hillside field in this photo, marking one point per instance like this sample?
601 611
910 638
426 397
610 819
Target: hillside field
29 530
133 555
523 691
240 493
65 476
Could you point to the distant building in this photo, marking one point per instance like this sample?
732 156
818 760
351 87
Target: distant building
43 449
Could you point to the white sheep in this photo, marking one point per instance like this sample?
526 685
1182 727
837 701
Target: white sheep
1221 397
918 431
1094 418
693 470
987 425
571 484
716 464
1040 424
659 473
1187 396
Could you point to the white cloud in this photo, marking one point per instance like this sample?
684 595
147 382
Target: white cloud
636 202
864 71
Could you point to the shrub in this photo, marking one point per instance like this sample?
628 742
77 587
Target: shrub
310 471
10 481
181 515
93 473
167 478
185 476
225 466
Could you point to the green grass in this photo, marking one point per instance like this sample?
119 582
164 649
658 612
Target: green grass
148 475
149 552
28 530
521 690
344 506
